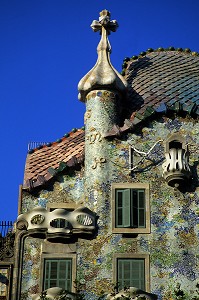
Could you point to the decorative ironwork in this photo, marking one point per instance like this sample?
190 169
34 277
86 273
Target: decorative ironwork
5 228
7 246
7 238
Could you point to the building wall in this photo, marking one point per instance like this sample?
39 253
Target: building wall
172 245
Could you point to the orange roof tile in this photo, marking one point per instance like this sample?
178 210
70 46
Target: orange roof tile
44 162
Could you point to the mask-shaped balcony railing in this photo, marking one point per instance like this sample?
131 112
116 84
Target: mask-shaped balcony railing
176 168
59 223
131 293
56 293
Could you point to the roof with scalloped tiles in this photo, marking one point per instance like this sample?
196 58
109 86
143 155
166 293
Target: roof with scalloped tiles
46 161
167 77
160 82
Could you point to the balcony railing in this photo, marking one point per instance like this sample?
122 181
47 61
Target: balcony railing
7 237
5 228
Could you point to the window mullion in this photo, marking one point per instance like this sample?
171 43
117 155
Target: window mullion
67 279
141 209
49 274
58 273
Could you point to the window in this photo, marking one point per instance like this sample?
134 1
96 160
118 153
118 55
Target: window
131 208
131 270
58 273
58 266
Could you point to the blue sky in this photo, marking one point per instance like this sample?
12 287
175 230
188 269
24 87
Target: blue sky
47 46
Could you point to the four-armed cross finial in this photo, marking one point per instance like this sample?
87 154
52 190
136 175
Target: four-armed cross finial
104 21
102 76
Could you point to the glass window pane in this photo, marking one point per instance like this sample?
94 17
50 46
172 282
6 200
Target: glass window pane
119 195
62 269
141 218
131 273
53 270
53 283
141 197
119 217
58 272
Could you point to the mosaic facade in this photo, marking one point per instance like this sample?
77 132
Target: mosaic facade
125 144
173 242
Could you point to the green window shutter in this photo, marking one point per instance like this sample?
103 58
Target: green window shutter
141 209
134 203
123 273
123 208
126 208
137 273
131 272
58 273
130 208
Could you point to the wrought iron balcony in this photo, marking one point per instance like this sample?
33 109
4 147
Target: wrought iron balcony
7 237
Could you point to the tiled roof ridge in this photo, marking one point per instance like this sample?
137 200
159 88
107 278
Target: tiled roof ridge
31 184
126 60
49 144
163 109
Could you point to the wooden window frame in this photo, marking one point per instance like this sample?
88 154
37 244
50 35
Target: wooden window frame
131 230
47 279
145 257
58 256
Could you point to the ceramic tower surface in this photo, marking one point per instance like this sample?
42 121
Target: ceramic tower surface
72 211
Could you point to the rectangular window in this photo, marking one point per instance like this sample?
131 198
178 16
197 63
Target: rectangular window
131 208
131 273
131 270
58 273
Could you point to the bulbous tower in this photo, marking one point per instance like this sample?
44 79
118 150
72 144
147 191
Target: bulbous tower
103 90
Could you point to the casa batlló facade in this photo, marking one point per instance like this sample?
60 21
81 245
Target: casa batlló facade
111 210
